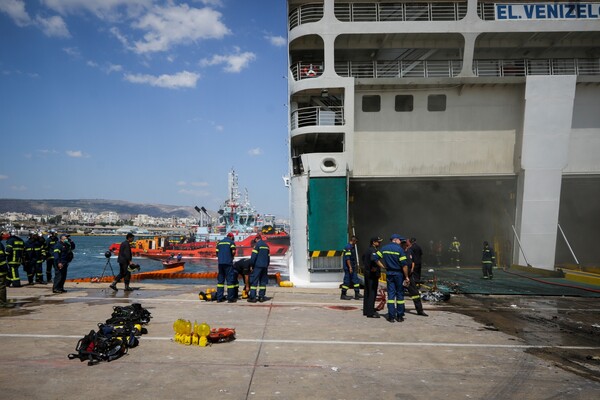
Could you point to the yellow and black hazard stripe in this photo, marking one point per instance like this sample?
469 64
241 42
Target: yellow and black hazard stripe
325 253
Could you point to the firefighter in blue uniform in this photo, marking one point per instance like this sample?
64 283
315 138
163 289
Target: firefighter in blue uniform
15 246
31 254
395 262
372 271
3 272
49 248
260 260
412 290
225 254
488 261
63 255
350 271
39 264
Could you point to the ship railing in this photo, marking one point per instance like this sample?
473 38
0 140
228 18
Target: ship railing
304 70
452 68
395 12
550 66
399 68
486 11
317 116
305 13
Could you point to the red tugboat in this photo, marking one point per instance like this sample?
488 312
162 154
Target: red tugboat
235 216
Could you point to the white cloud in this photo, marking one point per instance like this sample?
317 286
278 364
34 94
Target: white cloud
233 62
2 177
72 51
176 24
53 26
214 3
76 154
199 184
255 152
104 9
219 128
181 183
277 41
113 68
195 193
45 152
120 37
107 68
16 11
20 188
184 79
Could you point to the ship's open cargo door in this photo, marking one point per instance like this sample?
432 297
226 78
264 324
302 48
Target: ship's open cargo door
327 222
436 210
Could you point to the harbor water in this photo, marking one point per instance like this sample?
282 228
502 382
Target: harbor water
90 262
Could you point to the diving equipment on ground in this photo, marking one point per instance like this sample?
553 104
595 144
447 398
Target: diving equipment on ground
114 338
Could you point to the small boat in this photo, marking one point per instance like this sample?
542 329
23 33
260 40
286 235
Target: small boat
172 263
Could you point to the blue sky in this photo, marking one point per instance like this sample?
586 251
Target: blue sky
143 100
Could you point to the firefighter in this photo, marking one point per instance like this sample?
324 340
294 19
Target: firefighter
260 260
413 292
417 258
39 265
225 253
350 271
49 249
3 272
455 252
31 254
395 262
372 266
15 247
63 255
126 264
488 261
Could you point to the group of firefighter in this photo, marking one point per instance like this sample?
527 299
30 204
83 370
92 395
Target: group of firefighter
32 254
254 270
401 258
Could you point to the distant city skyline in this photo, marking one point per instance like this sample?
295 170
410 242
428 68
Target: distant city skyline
147 101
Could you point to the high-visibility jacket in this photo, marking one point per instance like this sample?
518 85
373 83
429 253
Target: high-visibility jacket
15 246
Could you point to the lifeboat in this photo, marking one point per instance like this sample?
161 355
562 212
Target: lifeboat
172 264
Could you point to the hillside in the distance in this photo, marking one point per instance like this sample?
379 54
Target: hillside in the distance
55 207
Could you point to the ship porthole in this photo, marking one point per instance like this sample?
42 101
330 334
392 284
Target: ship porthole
328 165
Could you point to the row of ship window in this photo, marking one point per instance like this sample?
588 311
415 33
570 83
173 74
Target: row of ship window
404 103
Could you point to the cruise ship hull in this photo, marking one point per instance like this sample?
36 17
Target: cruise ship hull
465 119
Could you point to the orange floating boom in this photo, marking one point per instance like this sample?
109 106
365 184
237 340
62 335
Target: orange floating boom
171 273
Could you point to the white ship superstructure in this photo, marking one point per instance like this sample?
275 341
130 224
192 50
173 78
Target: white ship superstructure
474 119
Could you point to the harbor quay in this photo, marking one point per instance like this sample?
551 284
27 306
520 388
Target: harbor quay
301 343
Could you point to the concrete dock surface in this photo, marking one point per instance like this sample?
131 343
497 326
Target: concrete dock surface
303 343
